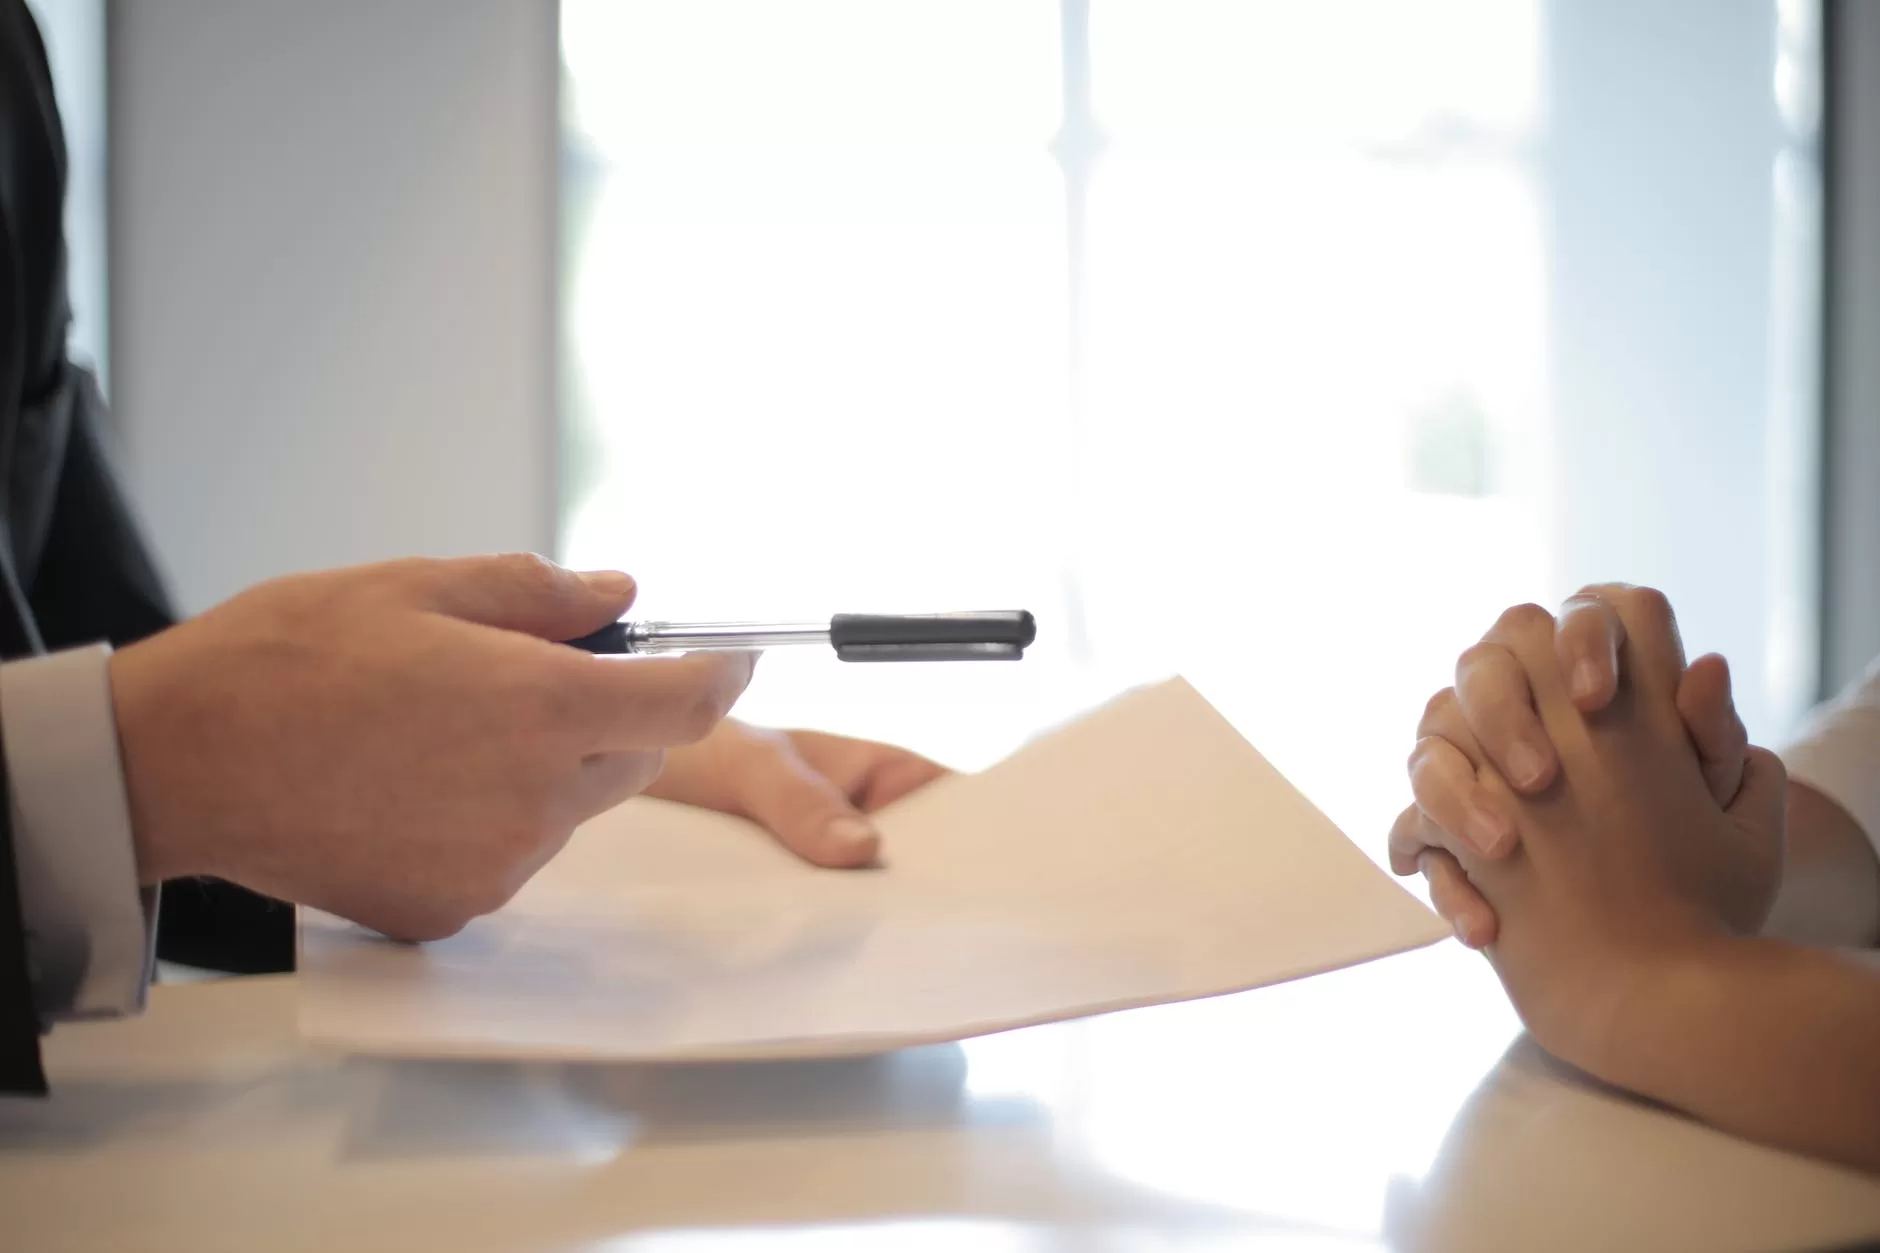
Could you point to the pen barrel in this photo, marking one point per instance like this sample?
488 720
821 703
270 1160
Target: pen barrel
995 636
720 637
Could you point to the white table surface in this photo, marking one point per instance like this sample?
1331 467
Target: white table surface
1391 1106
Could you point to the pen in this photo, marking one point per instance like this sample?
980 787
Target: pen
998 636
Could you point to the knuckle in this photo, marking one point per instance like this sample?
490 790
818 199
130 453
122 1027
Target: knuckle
1440 792
1595 597
407 576
404 569
702 715
710 703
1521 621
1476 653
1651 604
530 573
1479 661
1407 840
1422 764
1436 711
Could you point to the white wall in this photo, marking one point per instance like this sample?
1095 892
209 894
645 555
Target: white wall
1674 441
333 270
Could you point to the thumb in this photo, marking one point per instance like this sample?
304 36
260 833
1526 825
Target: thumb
1710 719
1761 804
528 593
807 813
1760 816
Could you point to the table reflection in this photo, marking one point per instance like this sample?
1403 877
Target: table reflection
956 1236
1392 1106
1307 1103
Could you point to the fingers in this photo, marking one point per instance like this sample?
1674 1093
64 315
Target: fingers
1412 835
1455 898
1717 733
872 775
1416 847
519 592
1447 790
1527 632
810 790
1587 640
807 812
1651 654
626 703
888 781
1495 700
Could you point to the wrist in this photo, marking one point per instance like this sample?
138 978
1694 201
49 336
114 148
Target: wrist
1660 1011
164 847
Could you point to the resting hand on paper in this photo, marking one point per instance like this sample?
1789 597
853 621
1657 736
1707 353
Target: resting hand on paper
812 791
400 744
1628 912
1490 713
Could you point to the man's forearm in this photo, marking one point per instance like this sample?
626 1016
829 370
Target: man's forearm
1830 891
1773 1041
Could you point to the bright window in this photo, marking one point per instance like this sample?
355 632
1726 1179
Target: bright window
1220 334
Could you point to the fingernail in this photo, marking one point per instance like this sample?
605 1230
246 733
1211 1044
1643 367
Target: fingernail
609 583
1486 832
1461 929
1585 681
851 834
1525 765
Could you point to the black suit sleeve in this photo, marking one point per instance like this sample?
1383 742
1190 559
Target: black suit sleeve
95 581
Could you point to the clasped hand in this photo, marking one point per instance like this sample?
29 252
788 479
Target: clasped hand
1588 809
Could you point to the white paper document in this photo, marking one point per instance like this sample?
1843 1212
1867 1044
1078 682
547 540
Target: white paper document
1142 854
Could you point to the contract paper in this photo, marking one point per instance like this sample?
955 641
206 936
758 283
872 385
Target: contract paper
1142 854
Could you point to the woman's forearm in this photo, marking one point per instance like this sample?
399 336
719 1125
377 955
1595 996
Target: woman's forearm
1773 1041
1830 892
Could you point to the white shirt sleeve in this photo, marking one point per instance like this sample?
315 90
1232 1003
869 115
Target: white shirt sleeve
1838 752
90 930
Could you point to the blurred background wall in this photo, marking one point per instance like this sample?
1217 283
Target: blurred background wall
332 294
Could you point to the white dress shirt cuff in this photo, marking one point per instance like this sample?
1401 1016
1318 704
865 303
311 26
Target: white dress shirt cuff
90 930
1838 753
